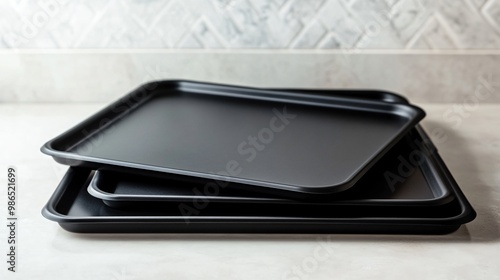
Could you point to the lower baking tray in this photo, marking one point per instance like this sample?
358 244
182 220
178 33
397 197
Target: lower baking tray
383 185
77 211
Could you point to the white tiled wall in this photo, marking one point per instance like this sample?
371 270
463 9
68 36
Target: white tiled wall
270 24
96 50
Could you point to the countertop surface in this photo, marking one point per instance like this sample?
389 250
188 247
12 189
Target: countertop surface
469 143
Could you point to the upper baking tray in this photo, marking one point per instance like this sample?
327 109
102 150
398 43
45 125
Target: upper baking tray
132 191
262 139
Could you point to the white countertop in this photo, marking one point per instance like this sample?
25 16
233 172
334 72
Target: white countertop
471 151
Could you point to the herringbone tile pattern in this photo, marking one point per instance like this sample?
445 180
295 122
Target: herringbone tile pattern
251 24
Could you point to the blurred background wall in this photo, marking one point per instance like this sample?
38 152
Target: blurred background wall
95 51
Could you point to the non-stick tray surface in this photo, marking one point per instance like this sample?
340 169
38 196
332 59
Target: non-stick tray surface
282 142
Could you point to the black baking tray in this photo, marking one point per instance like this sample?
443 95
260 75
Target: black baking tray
77 211
306 143
379 186
122 190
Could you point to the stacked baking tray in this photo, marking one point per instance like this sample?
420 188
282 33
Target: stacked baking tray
180 156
